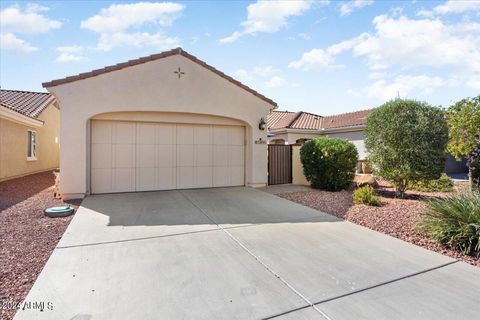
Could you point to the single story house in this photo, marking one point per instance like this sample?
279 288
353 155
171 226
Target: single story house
29 131
285 127
166 121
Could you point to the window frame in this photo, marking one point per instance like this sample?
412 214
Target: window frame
31 147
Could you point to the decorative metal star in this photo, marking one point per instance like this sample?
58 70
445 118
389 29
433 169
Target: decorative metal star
179 72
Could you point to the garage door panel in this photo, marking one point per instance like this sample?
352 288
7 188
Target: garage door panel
101 180
124 133
185 177
237 136
124 155
220 176
123 179
220 135
130 156
203 155
166 179
185 134
237 175
146 133
101 156
166 156
146 179
165 133
145 155
185 156
203 177
237 154
202 135
102 132
220 155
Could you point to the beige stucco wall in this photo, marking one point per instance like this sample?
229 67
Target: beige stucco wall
153 87
297 168
355 137
13 146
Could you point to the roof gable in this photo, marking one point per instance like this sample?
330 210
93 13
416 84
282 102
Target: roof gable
141 60
28 103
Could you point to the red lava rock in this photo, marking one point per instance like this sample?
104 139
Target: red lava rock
27 236
396 217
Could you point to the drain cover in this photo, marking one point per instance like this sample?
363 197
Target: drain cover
58 211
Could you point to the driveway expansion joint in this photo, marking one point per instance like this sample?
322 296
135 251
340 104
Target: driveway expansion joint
384 283
259 260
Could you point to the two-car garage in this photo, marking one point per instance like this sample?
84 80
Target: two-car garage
141 156
160 122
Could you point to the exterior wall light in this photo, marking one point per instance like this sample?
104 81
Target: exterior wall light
262 124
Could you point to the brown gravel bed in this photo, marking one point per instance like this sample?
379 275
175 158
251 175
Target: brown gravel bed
396 217
27 237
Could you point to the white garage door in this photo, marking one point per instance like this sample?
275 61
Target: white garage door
140 156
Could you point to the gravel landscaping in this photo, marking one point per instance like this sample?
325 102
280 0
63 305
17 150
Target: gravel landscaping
27 237
395 217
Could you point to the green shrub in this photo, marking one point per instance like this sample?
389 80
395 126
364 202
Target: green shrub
366 195
454 221
443 184
406 142
329 163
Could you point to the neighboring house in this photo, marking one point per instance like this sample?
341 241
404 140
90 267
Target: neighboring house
166 121
286 127
29 131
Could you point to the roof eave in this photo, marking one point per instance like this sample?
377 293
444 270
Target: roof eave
154 57
14 116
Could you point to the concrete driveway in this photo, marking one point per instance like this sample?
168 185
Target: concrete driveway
240 253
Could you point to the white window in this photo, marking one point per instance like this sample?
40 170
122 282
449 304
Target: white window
31 145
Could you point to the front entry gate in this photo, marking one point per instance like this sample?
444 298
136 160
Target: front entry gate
279 164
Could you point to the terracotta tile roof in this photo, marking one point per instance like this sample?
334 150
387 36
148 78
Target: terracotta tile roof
153 57
349 119
28 103
311 121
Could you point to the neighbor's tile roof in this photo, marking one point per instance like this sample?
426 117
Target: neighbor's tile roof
349 119
310 121
28 103
153 57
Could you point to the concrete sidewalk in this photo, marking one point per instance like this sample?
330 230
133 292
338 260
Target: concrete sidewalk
240 253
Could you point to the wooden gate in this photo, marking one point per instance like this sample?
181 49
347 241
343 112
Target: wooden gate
279 164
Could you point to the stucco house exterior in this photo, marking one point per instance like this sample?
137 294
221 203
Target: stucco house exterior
166 121
287 127
29 131
294 128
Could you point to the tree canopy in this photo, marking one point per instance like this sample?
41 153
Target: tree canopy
406 141
463 120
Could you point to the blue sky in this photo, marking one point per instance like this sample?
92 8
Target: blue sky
324 57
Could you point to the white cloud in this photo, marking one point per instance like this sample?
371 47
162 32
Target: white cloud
349 7
264 71
304 36
115 22
28 21
70 54
474 82
452 7
405 43
9 42
268 17
242 75
315 59
403 86
137 39
275 82
120 17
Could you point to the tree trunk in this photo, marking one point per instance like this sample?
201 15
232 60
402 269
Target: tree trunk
400 187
